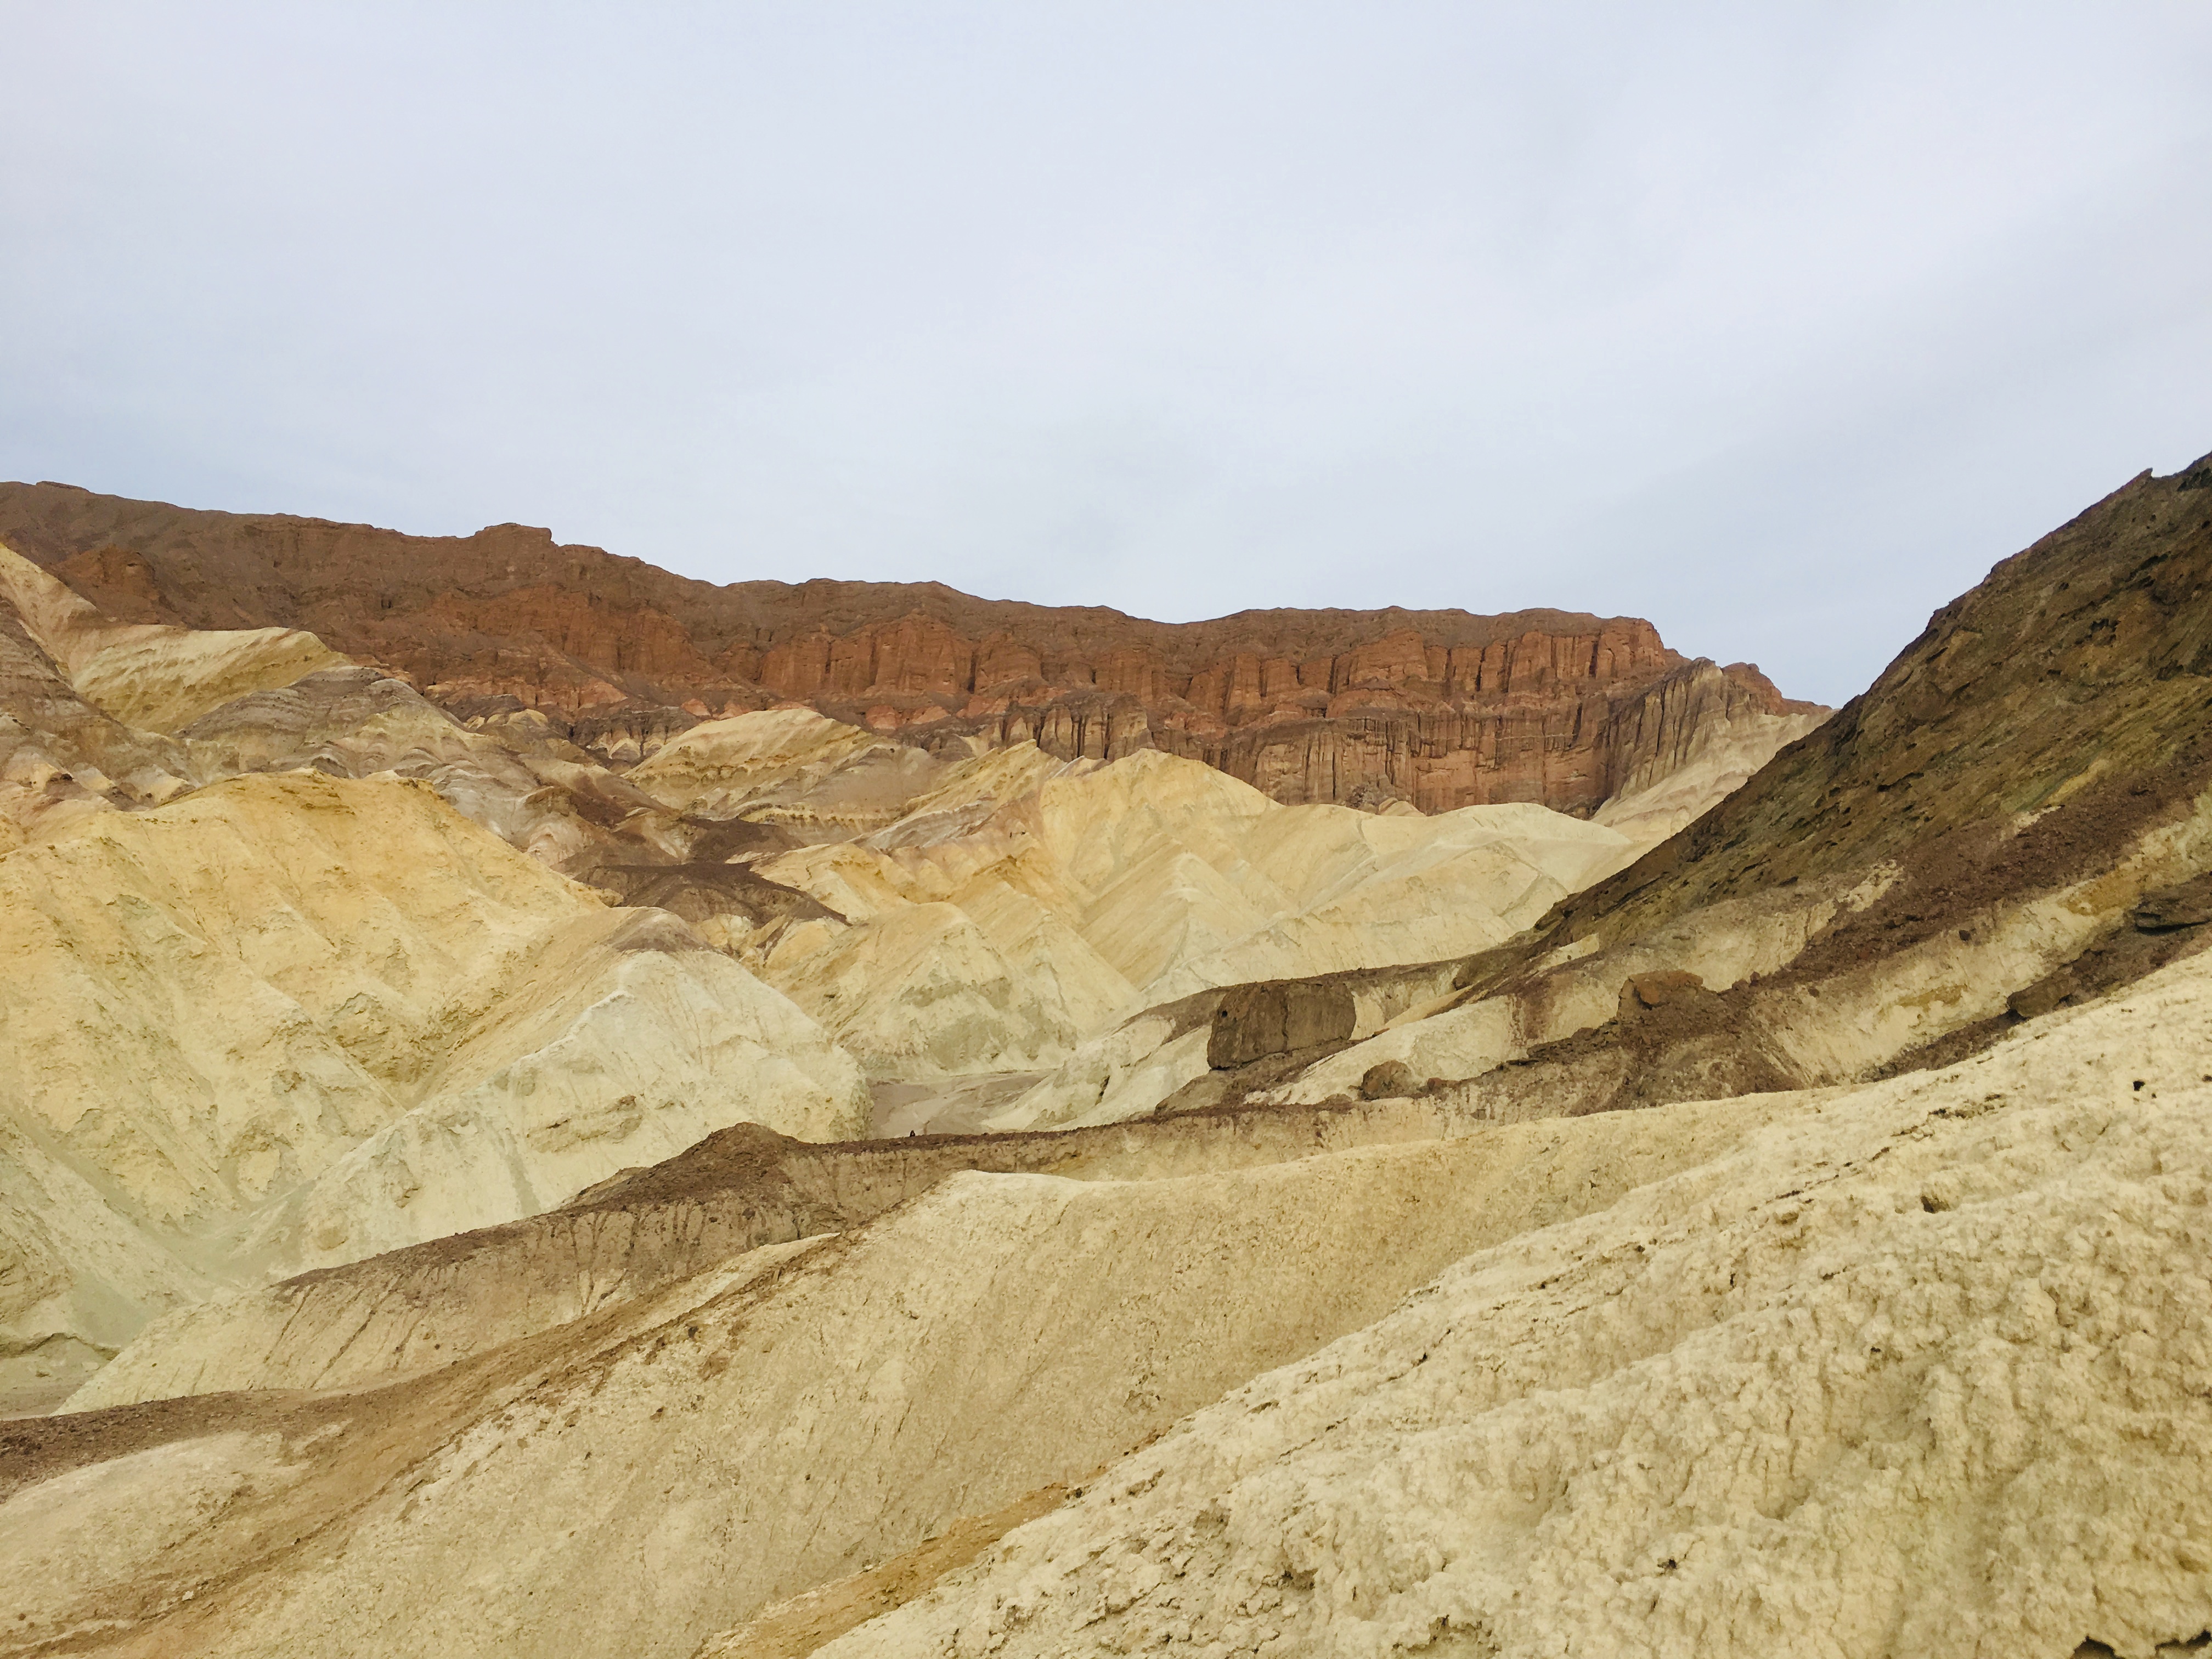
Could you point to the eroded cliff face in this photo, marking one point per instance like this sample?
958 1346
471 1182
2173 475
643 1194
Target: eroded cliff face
2016 816
1438 708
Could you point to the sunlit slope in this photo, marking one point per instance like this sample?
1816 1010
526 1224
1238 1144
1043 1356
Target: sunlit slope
996 927
151 675
1924 1367
291 1020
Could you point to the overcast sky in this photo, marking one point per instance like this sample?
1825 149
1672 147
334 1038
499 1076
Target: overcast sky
1777 323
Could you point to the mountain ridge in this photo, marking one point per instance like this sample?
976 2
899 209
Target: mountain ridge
1440 709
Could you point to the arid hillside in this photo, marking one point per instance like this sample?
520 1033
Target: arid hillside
292 975
1441 708
814 1189
2013 818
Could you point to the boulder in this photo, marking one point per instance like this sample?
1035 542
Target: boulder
1390 1080
1278 1017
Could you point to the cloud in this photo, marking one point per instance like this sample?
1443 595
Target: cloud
1777 324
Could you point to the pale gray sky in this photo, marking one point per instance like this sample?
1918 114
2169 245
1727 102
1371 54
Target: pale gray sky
1777 323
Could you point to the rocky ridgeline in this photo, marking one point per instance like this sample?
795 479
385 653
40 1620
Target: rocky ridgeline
1442 708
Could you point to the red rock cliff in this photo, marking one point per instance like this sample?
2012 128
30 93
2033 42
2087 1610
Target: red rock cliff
1442 709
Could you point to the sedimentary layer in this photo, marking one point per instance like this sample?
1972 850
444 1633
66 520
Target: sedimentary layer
291 1020
1442 708
2017 815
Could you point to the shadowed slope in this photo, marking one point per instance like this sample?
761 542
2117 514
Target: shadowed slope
2022 791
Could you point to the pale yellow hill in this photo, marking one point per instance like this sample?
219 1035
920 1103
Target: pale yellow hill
1652 803
1025 905
528 787
292 1020
1923 1367
97 716
790 767
1917 1366
64 761
156 678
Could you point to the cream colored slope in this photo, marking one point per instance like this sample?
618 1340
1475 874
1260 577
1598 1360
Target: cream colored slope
149 675
1157 875
966 796
78 1279
625 1040
1722 759
1120 1074
291 1020
933 989
1169 905
531 789
1401 890
1046 953
1923 1367
921 992
789 766
636 1481
1010 928
62 760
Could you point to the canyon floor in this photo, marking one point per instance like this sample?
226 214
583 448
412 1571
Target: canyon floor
546 1108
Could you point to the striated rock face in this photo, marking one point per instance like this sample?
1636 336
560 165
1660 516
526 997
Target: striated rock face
293 1020
1973 841
1438 708
1756 1406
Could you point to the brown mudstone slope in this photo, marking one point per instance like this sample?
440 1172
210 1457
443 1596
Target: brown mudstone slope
2016 816
1442 708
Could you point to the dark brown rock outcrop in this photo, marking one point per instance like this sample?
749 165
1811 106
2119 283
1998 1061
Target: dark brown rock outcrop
1440 709
2072 685
1276 1017
2015 818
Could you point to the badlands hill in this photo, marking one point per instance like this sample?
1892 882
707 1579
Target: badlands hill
290 1021
1916 1363
292 975
1441 708
1790 1238
1023 905
2011 819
